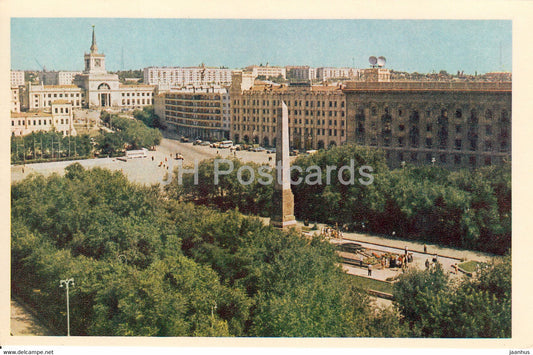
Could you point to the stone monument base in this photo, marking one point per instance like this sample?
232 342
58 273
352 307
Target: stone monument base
284 207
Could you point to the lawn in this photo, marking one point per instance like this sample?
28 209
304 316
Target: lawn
471 266
371 284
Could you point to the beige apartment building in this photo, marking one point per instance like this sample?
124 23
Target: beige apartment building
316 114
202 112
451 124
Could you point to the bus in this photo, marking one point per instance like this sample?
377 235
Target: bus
141 153
226 144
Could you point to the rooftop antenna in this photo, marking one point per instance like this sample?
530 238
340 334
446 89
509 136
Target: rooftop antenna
122 59
373 61
381 61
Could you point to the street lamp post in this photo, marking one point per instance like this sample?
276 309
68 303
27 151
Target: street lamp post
66 283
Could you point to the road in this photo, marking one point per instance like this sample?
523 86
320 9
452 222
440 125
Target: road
147 171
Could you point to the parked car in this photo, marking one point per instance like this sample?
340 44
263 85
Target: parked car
184 139
293 152
271 151
235 147
258 149
197 142
205 143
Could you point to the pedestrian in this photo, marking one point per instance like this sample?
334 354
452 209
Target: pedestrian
427 263
425 249
455 268
435 258
406 249
369 270
152 158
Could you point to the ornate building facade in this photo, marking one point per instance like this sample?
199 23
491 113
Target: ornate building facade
95 88
316 113
453 124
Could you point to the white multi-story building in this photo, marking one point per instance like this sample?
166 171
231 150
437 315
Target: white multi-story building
58 77
167 77
336 73
93 88
66 77
59 118
15 99
41 97
301 73
17 78
267 71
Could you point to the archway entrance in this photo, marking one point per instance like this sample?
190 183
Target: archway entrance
104 96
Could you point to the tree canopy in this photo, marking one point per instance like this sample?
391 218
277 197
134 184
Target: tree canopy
147 265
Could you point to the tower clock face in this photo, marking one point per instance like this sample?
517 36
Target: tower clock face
97 62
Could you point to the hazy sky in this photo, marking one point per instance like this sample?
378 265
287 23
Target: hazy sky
408 45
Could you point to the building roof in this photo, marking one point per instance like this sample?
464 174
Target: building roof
59 87
35 114
354 86
139 86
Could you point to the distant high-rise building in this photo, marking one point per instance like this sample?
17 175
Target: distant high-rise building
301 73
326 73
267 71
168 77
17 78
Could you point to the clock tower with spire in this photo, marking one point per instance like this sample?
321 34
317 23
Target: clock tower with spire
94 61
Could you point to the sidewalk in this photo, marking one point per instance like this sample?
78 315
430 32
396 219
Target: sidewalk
415 246
24 323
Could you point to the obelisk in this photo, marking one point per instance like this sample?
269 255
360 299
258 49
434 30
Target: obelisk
283 198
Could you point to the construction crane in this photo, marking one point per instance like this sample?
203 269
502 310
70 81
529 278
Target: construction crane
42 67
